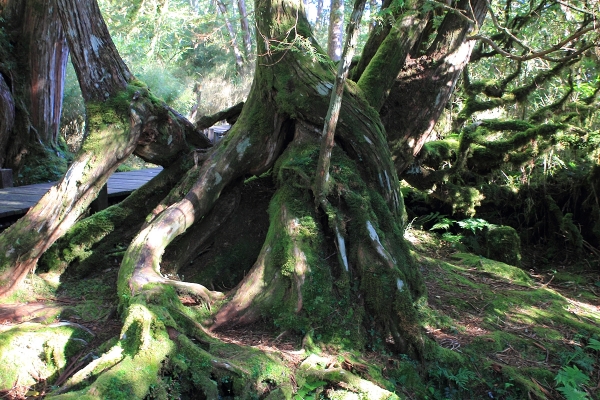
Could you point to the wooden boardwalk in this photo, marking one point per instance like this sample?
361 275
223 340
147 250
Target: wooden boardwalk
15 201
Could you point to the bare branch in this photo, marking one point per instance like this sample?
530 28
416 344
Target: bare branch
572 7
453 10
537 54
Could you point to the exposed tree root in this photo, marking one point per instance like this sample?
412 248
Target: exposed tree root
318 368
87 245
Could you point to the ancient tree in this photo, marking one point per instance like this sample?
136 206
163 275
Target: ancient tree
339 272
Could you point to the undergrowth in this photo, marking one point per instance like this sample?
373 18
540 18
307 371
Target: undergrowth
492 331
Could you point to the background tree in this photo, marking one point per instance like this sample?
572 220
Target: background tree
245 27
239 60
34 75
336 30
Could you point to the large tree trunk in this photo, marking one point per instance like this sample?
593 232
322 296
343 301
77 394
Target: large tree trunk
371 248
7 117
386 51
48 55
293 284
35 75
423 88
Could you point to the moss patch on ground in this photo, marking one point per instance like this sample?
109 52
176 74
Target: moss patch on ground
492 330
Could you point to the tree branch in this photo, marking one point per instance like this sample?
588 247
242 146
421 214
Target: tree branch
537 54
327 138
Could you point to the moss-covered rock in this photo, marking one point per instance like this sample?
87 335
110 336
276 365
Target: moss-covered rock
31 353
502 243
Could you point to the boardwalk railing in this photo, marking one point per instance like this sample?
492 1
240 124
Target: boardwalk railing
15 201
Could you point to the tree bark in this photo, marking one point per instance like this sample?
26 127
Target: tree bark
335 38
7 117
383 68
48 54
427 83
34 71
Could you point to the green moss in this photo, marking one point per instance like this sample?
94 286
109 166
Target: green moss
473 105
490 87
434 153
507 125
502 270
76 244
33 352
42 164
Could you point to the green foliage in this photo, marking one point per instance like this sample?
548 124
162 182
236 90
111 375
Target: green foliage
308 389
443 223
452 383
594 344
569 380
168 85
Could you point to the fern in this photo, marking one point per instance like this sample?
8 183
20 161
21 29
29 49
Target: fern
305 392
463 377
474 224
444 223
594 344
571 393
569 380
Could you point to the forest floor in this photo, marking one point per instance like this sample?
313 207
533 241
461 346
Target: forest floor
500 332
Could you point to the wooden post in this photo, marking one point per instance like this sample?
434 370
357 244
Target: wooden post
211 135
6 178
101 201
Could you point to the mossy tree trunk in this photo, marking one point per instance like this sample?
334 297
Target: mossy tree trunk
279 128
372 284
33 64
431 79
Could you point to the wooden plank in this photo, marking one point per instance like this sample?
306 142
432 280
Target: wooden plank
16 201
6 178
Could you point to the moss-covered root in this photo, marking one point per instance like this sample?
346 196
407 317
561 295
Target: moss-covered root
31 353
88 244
160 340
316 368
246 150
132 365
150 337
276 280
